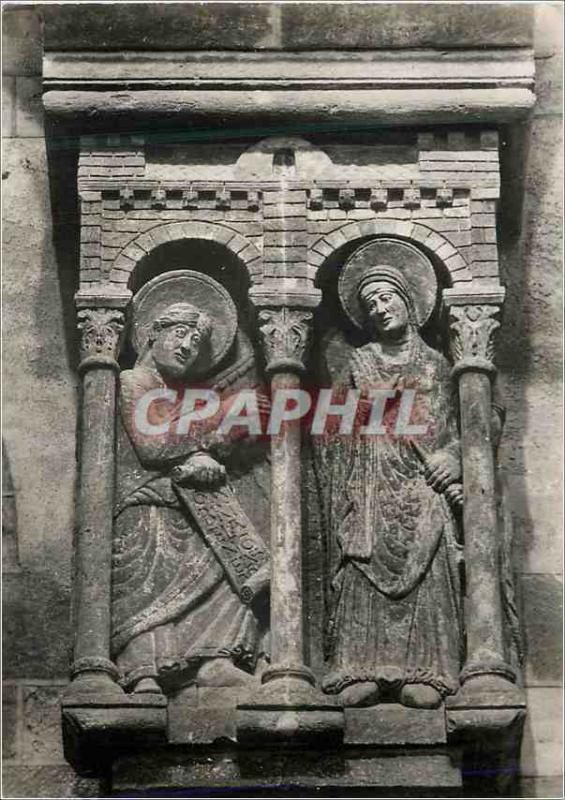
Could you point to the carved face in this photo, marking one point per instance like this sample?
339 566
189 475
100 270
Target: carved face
385 309
176 348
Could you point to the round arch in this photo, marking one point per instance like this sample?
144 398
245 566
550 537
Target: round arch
126 261
455 265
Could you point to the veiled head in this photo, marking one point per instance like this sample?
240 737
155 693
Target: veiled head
386 301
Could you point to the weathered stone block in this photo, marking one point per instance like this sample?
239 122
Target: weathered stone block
483 220
377 26
36 626
394 725
285 239
90 233
541 787
196 726
8 106
187 27
542 749
21 41
548 49
29 108
41 725
46 781
9 721
542 610
295 210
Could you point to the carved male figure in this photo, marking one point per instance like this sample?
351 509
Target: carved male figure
395 607
176 615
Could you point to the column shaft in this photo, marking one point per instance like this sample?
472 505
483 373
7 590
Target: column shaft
286 546
484 613
96 497
472 327
92 669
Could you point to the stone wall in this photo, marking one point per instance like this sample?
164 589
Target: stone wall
40 391
40 387
530 361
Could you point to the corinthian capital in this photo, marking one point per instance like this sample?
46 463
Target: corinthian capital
100 329
472 329
285 334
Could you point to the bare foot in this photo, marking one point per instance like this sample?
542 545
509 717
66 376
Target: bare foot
147 686
418 695
361 694
221 672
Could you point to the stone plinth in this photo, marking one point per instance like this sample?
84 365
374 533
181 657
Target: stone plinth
387 748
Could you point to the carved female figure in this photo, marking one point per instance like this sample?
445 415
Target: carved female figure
394 610
176 615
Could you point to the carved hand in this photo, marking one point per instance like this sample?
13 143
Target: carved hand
200 470
441 470
454 494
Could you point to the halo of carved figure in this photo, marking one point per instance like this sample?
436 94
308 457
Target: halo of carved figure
196 288
414 267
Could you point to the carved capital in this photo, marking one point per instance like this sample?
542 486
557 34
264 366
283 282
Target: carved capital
101 329
472 329
285 334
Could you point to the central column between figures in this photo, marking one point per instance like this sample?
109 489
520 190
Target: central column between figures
287 646
287 709
285 333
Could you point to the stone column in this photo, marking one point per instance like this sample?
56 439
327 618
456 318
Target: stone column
472 325
285 333
288 708
92 669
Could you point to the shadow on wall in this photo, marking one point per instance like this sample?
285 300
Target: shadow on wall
36 636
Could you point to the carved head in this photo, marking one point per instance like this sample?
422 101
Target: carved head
410 278
386 302
179 338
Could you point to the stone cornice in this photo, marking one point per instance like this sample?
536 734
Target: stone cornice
382 69
383 87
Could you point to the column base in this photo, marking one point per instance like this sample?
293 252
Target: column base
97 727
92 685
289 710
489 681
486 718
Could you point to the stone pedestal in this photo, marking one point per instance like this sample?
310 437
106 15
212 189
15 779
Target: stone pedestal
389 749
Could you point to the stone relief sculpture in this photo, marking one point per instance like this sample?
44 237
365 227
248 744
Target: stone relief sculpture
392 500
393 551
187 561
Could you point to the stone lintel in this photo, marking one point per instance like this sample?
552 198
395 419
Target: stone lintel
389 106
474 295
289 292
103 297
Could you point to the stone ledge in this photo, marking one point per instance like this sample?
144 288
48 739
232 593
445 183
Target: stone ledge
383 69
286 772
394 725
328 107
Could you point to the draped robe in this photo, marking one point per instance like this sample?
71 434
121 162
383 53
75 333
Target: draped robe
394 600
172 605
